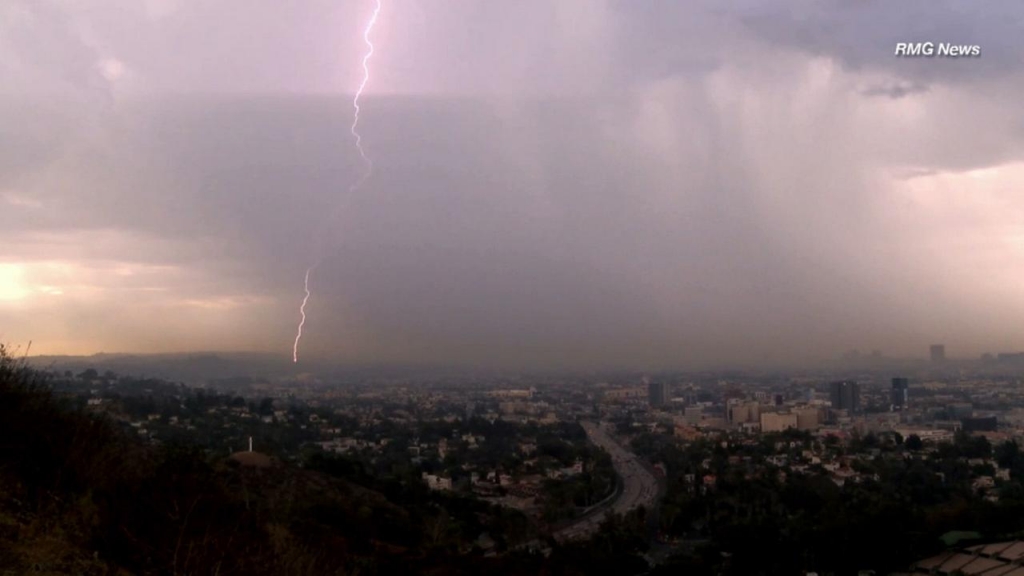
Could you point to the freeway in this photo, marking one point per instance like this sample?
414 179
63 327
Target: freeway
639 487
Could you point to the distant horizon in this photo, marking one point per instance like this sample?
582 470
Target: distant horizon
286 361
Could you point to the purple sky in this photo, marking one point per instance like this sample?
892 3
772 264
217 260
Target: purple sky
577 183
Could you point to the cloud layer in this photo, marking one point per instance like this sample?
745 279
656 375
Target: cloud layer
577 183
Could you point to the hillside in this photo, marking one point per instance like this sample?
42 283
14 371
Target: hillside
82 497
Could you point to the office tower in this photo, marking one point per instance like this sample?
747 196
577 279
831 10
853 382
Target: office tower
777 422
958 410
900 391
845 395
742 412
938 352
807 417
693 415
980 424
656 394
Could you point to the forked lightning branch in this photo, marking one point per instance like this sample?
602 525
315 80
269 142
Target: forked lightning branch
367 163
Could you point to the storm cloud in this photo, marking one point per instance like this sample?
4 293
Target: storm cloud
556 184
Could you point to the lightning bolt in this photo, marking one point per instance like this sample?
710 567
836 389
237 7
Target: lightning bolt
367 163
359 92
302 311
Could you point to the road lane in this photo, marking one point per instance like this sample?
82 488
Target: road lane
639 487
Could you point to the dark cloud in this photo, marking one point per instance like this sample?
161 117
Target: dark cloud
897 90
863 35
578 184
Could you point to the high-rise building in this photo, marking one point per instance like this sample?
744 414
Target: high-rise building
845 395
692 415
900 393
938 352
980 424
777 422
959 410
742 412
656 394
807 417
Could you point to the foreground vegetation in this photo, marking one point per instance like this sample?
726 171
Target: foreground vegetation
79 496
761 518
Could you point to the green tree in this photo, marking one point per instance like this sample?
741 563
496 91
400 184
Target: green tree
914 443
266 407
1008 454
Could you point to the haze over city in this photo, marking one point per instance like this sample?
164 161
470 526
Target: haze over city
571 184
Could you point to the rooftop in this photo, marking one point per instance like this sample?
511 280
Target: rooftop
998 559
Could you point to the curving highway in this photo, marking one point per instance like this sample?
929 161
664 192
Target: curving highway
639 487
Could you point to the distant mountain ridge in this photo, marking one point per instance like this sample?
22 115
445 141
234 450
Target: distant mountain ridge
190 368
197 368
